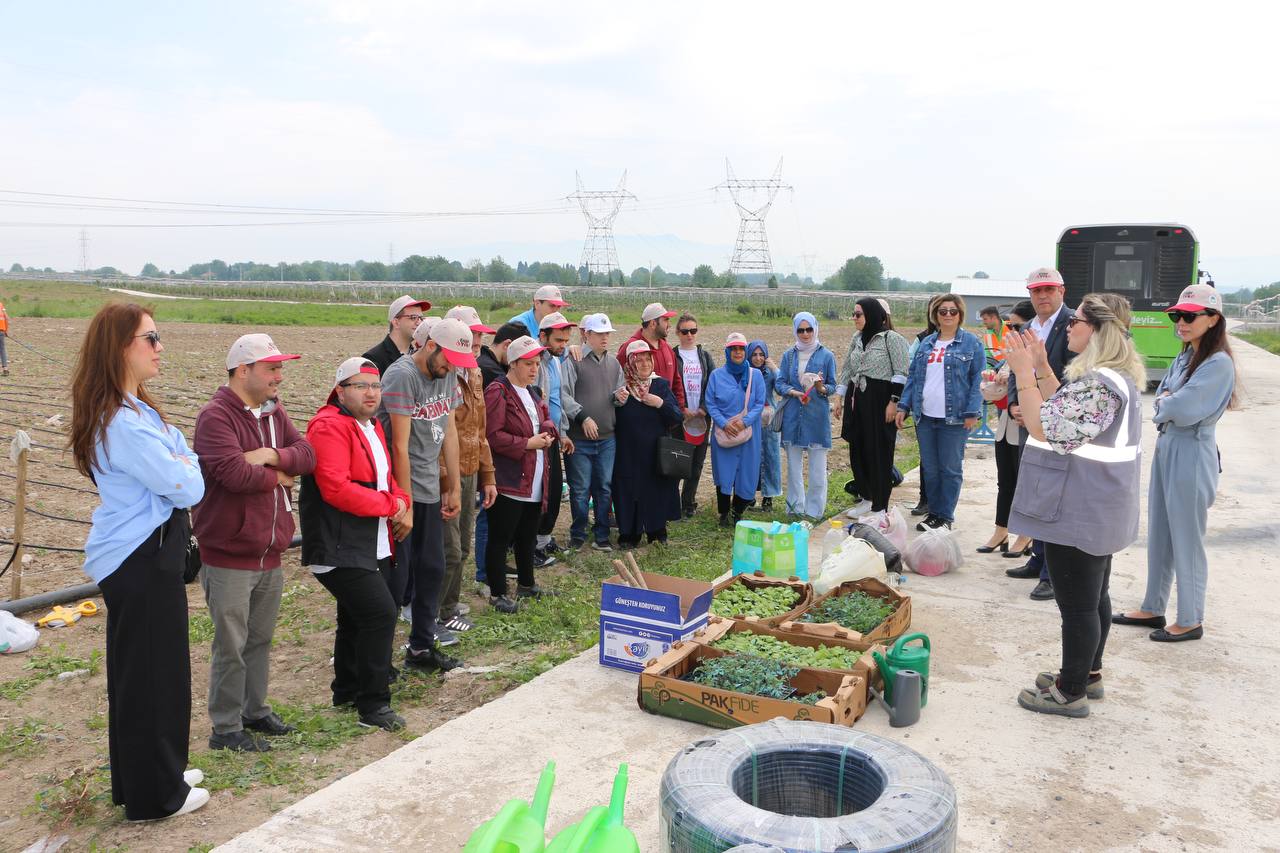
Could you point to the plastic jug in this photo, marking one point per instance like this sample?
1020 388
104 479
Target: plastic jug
902 658
905 711
601 829
853 560
833 538
518 827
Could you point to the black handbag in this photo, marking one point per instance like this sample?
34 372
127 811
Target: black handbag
675 458
191 570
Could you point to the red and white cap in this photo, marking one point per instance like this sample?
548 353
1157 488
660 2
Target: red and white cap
639 345
653 311
404 302
1044 277
454 340
1199 297
250 349
736 339
523 347
549 293
470 318
353 367
423 332
555 320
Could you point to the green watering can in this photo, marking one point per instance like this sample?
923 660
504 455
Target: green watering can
601 829
518 826
900 658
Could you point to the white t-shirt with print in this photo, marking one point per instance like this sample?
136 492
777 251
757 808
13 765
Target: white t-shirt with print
531 409
935 380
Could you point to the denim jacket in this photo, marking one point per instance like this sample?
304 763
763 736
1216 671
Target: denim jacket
962 368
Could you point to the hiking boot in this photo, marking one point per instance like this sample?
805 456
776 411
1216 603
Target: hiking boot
1042 592
1092 686
384 718
430 660
503 604
1050 700
271 724
240 741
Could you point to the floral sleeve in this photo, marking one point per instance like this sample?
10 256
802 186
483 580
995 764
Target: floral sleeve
1078 414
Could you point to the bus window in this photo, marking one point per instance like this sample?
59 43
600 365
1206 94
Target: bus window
1122 276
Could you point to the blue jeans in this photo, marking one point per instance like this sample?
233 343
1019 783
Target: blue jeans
770 464
482 540
942 463
590 470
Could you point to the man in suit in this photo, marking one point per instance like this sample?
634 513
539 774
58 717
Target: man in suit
1050 325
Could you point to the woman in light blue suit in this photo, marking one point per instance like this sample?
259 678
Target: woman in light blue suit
806 416
734 399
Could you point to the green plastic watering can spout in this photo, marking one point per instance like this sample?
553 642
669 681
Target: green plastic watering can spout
542 795
618 801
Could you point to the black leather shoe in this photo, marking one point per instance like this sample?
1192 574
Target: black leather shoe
271 724
1160 635
1141 622
920 509
851 489
240 741
1042 592
431 660
1023 572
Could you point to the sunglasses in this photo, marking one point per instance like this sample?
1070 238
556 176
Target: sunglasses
692 331
1014 327
152 337
857 314
1071 321
948 312
363 386
804 330
1186 316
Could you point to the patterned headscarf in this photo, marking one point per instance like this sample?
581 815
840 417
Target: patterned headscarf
638 385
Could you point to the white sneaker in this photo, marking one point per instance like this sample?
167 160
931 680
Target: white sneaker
196 798
861 508
193 777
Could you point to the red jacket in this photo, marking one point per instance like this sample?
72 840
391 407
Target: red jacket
508 429
245 520
665 364
340 505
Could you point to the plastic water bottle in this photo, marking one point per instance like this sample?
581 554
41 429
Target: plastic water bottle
833 538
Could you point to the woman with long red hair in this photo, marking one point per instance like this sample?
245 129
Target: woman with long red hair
147 478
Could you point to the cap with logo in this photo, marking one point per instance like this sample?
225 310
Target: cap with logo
470 317
353 367
454 340
404 302
640 345
1199 297
597 323
250 349
555 320
523 347
549 293
655 310
423 332
1044 277
736 339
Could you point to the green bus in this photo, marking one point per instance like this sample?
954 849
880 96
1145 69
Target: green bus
1149 264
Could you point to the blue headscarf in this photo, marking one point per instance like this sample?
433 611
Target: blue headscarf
812 344
737 371
757 345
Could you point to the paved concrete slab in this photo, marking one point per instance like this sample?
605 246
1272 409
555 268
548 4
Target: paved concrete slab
1183 753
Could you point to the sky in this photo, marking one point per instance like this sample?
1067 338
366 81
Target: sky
941 138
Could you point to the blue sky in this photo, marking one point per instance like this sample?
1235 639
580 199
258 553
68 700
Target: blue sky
944 139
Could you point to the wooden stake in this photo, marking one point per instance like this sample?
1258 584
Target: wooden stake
623 572
19 521
635 567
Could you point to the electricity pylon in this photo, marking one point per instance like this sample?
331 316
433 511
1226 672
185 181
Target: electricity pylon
600 208
751 250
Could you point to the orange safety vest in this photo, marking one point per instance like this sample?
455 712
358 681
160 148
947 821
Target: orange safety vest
4 320
994 342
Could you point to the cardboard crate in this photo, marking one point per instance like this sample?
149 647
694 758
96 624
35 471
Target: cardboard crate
759 579
865 666
893 627
639 624
661 691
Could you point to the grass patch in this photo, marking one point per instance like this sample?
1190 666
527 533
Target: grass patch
49 663
200 628
1269 341
22 739
83 796
299 615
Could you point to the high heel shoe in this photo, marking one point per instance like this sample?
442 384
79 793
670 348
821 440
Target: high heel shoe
1021 552
1002 546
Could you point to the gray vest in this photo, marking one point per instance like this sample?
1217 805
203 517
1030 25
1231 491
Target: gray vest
597 377
1087 498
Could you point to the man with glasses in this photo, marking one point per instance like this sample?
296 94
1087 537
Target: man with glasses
403 318
693 372
1050 325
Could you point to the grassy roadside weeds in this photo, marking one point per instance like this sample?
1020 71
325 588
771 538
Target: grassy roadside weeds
1269 341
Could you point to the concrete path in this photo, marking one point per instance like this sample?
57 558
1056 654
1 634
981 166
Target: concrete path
1184 753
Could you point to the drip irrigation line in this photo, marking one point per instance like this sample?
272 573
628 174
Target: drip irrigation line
32 428
8 476
49 515
37 352
33 546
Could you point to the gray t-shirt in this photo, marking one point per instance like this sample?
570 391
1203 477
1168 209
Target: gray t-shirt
406 390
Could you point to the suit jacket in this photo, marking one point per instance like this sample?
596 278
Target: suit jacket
1056 348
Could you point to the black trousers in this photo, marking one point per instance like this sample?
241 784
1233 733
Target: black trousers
547 524
1081 586
149 674
689 488
362 642
424 549
512 524
1008 457
726 502
871 451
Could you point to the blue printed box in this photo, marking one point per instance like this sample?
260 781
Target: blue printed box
639 624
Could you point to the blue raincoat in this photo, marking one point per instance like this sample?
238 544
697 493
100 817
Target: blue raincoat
735 470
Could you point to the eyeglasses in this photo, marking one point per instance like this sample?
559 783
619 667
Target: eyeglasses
152 337
804 330
363 386
857 314
692 331
1071 321
948 312
1186 316
417 318
1014 327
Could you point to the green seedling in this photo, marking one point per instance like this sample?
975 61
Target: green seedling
857 611
764 646
738 599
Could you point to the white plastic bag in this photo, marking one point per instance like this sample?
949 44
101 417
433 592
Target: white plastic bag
15 634
891 525
855 559
933 552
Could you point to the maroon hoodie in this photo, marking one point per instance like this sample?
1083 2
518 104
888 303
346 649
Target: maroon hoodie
245 520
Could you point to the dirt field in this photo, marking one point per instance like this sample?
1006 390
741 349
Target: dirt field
53 731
